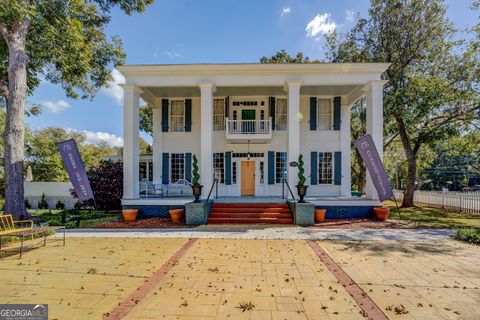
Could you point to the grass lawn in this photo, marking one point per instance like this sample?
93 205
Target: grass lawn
427 217
87 218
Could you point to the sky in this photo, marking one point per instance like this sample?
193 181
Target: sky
205 31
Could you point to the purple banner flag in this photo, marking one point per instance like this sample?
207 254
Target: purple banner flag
369 154
75 169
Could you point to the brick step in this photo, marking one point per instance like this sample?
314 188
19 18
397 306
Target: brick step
249 210
250 205
249 220
250 215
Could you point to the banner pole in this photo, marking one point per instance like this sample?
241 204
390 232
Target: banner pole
396 205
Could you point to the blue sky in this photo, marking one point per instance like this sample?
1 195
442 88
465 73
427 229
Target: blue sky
193 31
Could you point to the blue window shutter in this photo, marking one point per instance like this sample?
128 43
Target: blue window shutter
338 168
313 113
227 104
164 115
228 168
336 113
314 168
165 169
271 167
188 167
188 115
272 111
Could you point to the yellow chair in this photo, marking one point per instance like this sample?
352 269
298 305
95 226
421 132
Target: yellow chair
8 225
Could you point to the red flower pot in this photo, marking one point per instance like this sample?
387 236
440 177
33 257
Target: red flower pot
381 213
175 215
129 215
320 215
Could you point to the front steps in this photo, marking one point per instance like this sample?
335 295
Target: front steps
250 213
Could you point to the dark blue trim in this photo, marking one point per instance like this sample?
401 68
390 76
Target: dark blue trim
313 168
228 168
336 113
164 115
313 113
271 167
338 168
188 167
165 168
188 115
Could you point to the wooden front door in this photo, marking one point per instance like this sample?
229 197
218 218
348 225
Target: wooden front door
248 178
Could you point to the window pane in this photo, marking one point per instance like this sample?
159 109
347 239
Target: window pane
177 115
219 114
325 168
324 114
280 166
281 114
177 167
218 167
234 172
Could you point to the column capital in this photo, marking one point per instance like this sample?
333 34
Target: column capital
292 84
207 85
131 86
374 83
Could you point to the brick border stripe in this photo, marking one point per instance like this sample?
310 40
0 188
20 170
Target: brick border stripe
369 308
131 301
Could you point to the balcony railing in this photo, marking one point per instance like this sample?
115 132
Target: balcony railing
248 129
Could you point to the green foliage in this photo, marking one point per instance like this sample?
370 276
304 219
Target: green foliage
60 205
282 56
43 204
54 222
146 119
301 171
27 204
195 175
468 235
70 225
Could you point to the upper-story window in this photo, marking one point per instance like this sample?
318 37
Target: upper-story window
324 114
177 115
219 114
281 114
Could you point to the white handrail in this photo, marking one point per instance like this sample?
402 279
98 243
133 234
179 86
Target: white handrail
248 126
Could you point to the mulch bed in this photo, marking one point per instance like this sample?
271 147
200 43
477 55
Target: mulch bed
364 224
150 223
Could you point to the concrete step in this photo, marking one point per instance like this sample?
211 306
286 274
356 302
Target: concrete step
250 205
249 210
255 215
249 220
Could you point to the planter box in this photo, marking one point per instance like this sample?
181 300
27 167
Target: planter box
195 213
304 213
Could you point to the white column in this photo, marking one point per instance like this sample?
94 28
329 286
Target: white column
374 94
293 88
130 141
206 135
345 148
157 143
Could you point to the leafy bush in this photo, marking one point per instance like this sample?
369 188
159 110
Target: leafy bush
301 171
60 205
106 180
43 204
468 235
27 204
195 175
54 222
70 225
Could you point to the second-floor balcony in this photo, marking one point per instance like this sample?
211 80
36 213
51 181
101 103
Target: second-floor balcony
243 130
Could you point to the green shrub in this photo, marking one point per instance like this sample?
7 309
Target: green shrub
468 235
27 204
54 222
195 175
70 225
43 204
60 205
301 171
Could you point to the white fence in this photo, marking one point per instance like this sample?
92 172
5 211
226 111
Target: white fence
68 201
460 201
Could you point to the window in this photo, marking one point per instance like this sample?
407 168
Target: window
324 114
218 167
177 115
325 168
234 172
262 170
280 166
281 114
146 171
219 114
178 167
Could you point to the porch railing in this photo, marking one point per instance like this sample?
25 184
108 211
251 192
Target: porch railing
248 126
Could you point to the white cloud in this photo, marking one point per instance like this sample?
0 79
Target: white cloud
285 10
172 54
113 90
99 137
55 106
320 25
350 15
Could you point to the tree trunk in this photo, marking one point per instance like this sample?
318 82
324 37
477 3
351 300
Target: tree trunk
412 164
13 136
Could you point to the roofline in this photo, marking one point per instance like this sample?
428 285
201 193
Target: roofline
253 67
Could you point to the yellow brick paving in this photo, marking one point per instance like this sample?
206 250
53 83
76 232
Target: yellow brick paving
86 278
430 280
283 279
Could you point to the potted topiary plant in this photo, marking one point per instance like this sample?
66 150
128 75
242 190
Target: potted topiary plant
301 187
196 187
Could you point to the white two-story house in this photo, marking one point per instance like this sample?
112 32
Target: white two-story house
246 123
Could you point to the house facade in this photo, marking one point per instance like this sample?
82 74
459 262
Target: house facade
246 123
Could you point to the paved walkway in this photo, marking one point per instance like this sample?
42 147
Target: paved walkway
261 232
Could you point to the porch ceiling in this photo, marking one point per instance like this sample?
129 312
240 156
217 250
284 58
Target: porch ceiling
169 92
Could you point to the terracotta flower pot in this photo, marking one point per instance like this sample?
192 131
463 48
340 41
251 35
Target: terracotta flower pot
129 215
320 215
381 213
175 215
